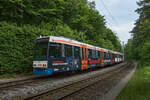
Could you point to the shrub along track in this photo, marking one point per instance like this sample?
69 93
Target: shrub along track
68 90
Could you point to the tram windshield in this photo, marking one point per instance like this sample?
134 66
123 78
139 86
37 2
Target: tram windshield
40 52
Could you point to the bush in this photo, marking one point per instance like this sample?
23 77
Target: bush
16 47
17 44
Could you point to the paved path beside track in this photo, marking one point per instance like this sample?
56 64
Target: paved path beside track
114 92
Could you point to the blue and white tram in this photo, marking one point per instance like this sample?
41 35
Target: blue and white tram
59 54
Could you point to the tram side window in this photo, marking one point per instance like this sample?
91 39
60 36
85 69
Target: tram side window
68 50
105 56
55 50
77 51
93 53
99 55
113 56
121 56
96 54
102 54
89 53
116 55
108 55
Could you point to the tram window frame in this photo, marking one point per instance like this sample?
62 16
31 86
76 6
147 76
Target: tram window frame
108 54
85 55
77 52
93 54
53 52
68 50
82 53
89 53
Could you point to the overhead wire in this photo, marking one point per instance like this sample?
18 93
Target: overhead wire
109 22
113 18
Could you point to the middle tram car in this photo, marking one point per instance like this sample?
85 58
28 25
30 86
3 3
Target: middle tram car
59 54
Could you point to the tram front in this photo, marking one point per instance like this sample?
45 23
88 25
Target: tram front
40 62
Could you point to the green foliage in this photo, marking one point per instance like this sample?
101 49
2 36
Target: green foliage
146 52
16 45
138 47
22 21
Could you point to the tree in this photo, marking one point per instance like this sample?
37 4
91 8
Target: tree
137 48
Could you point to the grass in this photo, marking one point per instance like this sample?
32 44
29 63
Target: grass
8 76
138 87
13 75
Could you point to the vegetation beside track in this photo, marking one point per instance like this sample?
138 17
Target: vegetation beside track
138 87
14 75
138 48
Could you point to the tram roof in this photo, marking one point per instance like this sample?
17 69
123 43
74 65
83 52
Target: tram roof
64 40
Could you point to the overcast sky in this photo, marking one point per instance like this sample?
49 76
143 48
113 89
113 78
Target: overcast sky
120 15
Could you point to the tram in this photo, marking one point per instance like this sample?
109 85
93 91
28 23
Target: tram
59 54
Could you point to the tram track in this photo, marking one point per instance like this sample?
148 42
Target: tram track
98 89
7 85
19 83
74 87
27 88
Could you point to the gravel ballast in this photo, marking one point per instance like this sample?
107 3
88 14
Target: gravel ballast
106 89
27 90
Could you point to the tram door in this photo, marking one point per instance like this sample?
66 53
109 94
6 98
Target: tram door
84 58
102 58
